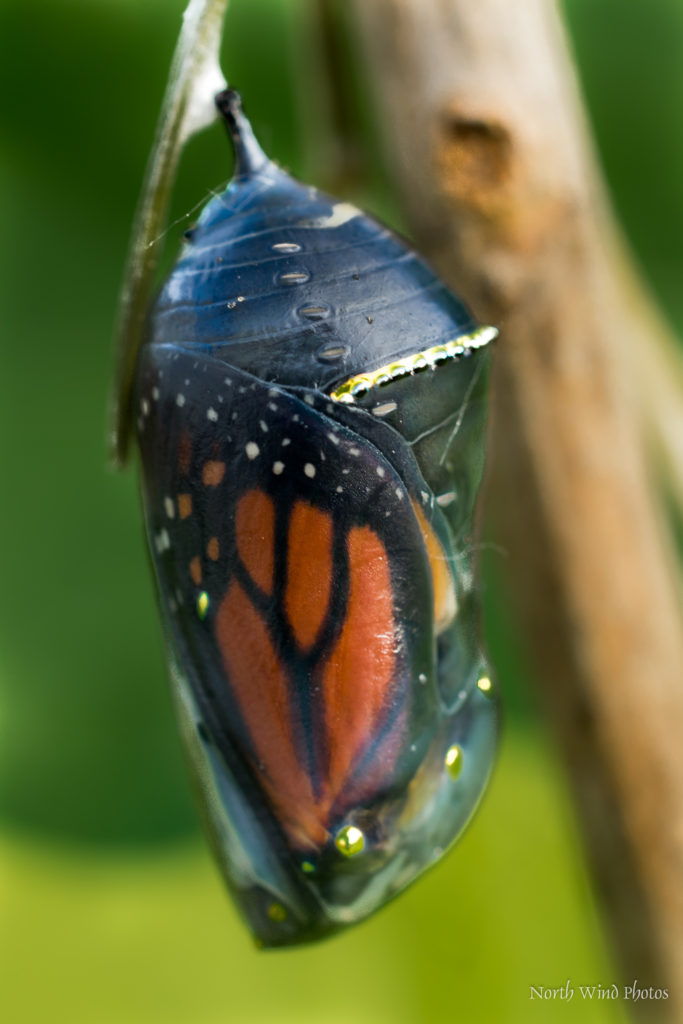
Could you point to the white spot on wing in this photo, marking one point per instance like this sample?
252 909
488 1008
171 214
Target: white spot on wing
212 415
162 541
252 450
309 470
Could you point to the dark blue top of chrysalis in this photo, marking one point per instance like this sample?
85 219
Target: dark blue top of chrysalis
299 287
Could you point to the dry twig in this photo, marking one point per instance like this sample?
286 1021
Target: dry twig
487 139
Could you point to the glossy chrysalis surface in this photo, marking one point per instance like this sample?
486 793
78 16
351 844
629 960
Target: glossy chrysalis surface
310 409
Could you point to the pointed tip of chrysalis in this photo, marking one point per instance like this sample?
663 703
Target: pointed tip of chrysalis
249 157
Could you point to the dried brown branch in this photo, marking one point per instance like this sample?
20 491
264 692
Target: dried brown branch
486 135
195 78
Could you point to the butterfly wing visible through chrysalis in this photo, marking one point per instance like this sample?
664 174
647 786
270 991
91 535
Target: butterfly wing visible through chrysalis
310 410
290 567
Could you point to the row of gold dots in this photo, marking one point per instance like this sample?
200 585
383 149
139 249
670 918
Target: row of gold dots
357 387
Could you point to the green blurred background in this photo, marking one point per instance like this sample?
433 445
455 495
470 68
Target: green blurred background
110 909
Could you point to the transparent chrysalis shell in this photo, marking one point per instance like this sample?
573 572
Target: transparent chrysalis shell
310 408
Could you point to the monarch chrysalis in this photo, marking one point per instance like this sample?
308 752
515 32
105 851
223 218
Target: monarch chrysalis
310 409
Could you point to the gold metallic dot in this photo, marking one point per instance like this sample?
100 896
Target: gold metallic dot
276 912
485 685
202 604
453 761
360 385
307 867
350 841
396 370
